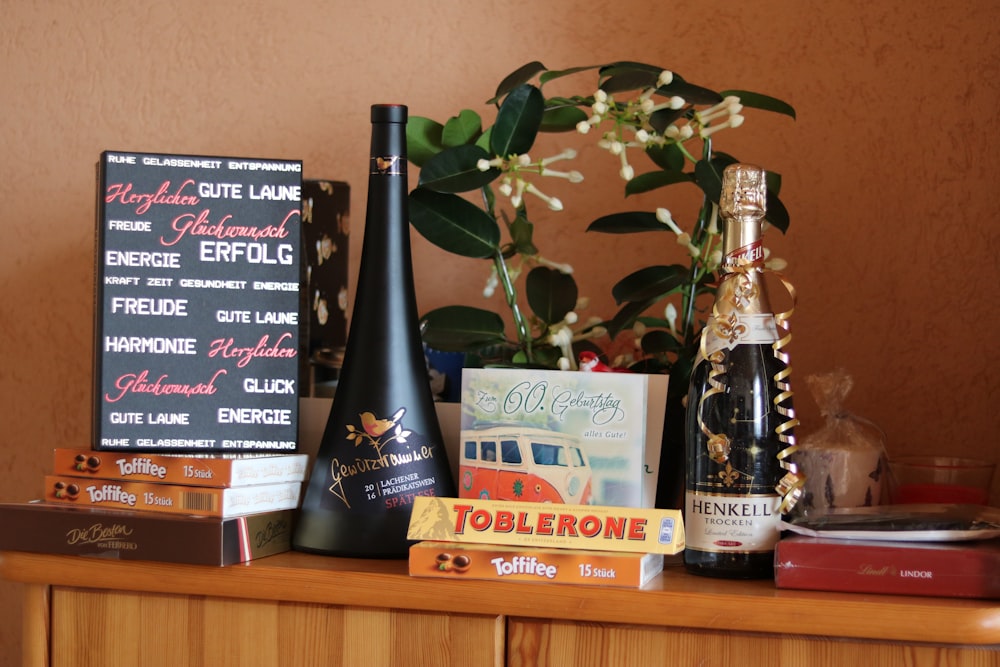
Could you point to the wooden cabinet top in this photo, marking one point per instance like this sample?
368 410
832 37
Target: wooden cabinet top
674 599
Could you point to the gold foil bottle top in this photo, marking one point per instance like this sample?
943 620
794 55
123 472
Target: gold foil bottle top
744 192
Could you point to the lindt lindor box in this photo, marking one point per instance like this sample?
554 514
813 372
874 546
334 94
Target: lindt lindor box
197 303
122 534
934 568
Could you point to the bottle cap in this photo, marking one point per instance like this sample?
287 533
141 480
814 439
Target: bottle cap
744 191
388 113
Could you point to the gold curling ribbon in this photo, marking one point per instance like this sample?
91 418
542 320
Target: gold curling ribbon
718 443
791 486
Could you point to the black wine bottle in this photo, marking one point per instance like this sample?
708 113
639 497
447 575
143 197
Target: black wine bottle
382 445
739 414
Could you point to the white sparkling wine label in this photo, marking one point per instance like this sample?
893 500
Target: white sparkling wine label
745 524
740 329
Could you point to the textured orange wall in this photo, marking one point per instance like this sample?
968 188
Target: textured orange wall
889 171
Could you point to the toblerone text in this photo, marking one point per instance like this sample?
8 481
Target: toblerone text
597 527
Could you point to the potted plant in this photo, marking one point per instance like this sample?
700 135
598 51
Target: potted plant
638 113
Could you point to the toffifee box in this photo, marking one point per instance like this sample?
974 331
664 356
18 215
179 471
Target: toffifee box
538 565
240 469
172 498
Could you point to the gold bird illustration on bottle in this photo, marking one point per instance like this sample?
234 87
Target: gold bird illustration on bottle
375 427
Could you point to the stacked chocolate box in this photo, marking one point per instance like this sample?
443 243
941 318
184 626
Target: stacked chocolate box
212 509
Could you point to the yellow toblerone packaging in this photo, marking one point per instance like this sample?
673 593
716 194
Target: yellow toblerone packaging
533 564
528 524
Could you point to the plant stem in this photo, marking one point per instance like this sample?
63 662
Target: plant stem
509 291
690 289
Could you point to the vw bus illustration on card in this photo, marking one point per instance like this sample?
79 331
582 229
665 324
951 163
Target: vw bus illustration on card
514 462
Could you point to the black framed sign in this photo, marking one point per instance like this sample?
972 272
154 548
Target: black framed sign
197 303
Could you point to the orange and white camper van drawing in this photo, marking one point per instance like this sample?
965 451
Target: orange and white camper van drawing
520 463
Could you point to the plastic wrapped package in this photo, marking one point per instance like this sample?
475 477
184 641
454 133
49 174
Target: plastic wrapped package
845 460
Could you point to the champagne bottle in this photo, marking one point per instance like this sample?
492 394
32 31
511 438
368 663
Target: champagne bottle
382 445
739 415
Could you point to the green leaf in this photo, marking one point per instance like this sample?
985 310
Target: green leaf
484 139
627 315
661 119
454 224
561 118
629 68
708 176
691 93
653 180
654 322
652 282
773 179
461 329
669 157
628 223
634 80
517 121
722 160
455 170
522 236
423 139
521 75
759 101
462 129
659 341
776 213
551 293
557 74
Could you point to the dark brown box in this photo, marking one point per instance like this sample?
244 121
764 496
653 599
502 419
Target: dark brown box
134 535
326 207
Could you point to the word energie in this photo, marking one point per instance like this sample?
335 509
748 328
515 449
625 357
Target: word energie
557 524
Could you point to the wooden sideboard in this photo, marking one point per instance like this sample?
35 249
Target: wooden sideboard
300 609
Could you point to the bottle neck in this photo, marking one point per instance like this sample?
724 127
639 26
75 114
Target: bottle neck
742 246
385 291
742 289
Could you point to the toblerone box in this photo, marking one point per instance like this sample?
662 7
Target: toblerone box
534 564
529 524
192 469
172 498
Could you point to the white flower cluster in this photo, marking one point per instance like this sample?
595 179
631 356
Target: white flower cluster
563 336
683 238
633 117
514 167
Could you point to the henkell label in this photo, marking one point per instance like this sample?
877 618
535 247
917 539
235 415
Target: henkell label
197 324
